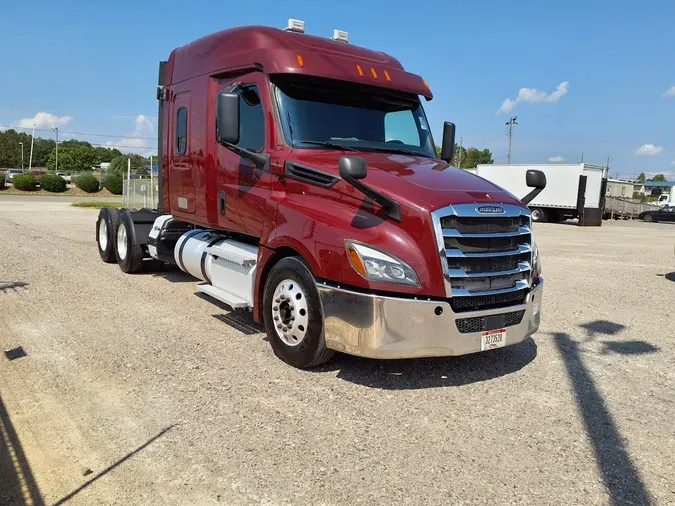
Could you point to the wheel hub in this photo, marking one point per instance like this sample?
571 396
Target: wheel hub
103 235
122 242
289 312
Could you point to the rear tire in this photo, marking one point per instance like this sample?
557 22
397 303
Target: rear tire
648 218
129 253
106 230
538 215
290 284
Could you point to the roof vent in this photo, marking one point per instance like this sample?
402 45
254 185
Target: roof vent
340 36
295 25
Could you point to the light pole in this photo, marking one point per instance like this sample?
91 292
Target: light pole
30 160
21 144
56 129
510 123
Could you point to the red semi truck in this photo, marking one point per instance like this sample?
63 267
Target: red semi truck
299 180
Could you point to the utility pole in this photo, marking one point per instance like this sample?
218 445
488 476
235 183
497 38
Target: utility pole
582 157
21 143
30 160
56 129
459 162
511 123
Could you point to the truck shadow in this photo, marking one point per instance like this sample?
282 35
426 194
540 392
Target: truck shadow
670 276
418 373
17 484
621 477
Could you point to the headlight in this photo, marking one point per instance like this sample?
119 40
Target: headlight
376 265
536 263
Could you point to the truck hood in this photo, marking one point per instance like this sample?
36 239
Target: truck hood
417 181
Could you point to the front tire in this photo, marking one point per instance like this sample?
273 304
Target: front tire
129 252
293 315
106 228
648 218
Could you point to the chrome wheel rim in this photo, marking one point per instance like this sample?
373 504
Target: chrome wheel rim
122 242
289 312
103 235
536 215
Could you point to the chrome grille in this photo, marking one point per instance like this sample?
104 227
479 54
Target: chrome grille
484 254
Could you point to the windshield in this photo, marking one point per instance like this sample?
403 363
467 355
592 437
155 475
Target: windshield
321 114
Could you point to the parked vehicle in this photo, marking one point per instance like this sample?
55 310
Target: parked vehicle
574 190
299 181
666 199
10 173
666 213
37 174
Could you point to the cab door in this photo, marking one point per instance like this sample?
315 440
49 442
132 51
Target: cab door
243 188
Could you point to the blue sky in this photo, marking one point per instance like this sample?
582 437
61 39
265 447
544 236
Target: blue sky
92 67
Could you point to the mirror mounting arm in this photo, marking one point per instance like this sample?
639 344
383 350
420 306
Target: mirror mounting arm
391 207
531 196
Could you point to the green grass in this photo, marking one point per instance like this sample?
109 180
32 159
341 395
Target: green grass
98 205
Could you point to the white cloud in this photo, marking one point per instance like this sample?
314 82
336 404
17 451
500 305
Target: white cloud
556 159
138 142
648 150
534 96
44 120
670 92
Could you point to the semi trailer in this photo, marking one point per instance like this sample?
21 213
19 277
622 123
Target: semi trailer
573 190
298 180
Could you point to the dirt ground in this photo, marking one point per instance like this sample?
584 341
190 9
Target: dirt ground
134 390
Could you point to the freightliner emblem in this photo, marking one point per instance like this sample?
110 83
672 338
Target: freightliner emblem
491 210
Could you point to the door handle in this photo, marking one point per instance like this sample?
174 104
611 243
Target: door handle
221 203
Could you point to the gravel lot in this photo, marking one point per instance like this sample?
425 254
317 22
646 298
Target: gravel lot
136 391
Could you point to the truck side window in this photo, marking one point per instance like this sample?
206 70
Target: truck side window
181 131
400 126
251 120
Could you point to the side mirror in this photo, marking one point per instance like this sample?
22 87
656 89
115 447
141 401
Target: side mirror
535 179
448 147
227 118
352 167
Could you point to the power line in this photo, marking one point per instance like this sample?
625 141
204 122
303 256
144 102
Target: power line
494 139
81 133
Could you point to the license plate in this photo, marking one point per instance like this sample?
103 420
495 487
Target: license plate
493 339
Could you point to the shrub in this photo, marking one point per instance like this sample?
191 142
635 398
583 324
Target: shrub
2 180
53 183
26 182
88 183
113 182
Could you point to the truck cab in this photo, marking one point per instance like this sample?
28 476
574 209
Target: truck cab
299 180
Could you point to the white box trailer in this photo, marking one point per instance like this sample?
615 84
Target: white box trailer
572 190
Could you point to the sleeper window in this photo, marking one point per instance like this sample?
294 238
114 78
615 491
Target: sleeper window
181 131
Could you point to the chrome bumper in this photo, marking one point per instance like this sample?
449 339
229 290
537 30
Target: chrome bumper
389 327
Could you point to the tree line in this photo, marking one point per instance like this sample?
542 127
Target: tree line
74 155
468 158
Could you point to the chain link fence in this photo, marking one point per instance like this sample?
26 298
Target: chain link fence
139 192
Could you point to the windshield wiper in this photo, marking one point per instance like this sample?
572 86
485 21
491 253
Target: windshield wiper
400 151
333 145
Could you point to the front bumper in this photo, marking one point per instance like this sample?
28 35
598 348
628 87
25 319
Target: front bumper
388 327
